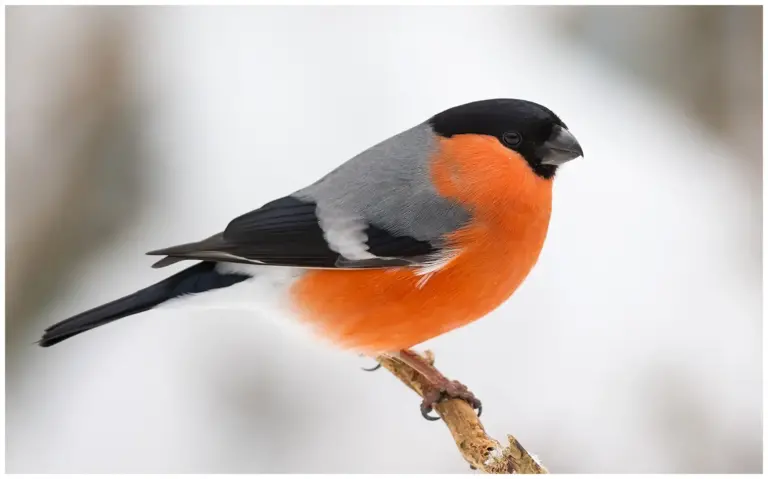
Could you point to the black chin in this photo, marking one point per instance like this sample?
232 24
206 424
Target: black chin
545 171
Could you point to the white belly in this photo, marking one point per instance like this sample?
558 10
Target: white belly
266 294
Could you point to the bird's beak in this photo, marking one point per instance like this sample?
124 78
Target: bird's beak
560 147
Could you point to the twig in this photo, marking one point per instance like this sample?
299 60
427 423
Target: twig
479 450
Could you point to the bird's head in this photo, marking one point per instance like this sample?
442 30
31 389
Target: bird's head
527 128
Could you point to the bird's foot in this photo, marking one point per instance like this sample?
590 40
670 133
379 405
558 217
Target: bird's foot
444 390
440 387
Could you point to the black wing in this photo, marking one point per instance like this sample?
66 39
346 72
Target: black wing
287 232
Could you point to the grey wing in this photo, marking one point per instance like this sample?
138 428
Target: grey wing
377 210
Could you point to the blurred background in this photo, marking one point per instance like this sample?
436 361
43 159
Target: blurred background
634 346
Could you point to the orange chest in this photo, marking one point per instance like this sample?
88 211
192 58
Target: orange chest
386 310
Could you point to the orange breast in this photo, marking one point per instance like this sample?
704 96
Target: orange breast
375 311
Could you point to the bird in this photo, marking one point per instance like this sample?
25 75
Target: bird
421 234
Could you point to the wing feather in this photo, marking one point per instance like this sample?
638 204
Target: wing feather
287 232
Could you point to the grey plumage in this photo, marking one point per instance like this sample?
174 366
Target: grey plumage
390 185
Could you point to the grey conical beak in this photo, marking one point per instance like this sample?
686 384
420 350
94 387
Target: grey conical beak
560 147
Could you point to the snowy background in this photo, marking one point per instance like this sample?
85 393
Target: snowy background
634 346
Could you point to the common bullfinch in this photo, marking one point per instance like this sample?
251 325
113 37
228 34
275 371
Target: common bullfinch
418 235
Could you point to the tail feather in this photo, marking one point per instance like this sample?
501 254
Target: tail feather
196 279
204 250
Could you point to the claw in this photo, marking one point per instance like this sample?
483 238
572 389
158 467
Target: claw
426 416
370 370
426 408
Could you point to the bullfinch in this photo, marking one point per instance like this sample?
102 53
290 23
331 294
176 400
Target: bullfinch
418 235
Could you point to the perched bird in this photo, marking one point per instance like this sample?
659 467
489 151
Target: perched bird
420 234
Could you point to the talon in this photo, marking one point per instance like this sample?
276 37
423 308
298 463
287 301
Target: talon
370 370
425 410
474 402
430 399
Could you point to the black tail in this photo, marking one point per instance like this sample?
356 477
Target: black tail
200 277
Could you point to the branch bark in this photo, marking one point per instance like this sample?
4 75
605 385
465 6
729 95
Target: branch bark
481 451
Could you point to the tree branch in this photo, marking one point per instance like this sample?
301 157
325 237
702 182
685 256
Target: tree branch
479 450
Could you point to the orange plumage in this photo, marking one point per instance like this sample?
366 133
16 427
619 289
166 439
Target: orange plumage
381 310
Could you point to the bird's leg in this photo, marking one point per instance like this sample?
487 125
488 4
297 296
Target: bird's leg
441 389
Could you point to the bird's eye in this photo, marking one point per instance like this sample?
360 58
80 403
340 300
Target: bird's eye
512 138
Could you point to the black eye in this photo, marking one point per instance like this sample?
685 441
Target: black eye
512 138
